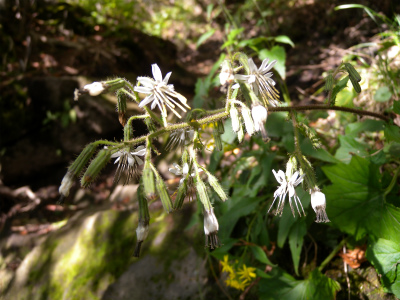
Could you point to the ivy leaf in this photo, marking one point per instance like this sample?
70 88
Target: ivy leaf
282 286
348 147
385 256
355 201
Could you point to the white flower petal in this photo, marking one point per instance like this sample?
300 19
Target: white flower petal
166 80
185 169
156 73
139 160
146 101
252 65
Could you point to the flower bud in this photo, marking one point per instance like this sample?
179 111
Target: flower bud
65 186
260 114
95 167
148 182
121 107
211 227
318 203
328 83
94 89
128 132
213 181
235 118
248 120
202 193
163 193
240 134
226 75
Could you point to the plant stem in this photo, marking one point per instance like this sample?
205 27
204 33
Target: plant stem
327 107
332 255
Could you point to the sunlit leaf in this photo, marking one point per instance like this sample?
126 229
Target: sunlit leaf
278 53
355 202
382 94
205 37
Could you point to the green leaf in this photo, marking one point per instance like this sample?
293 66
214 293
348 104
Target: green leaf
382 94
349 147
279 285
392 133
260 255
284 40
296 237
355 201
385 256
396 107
278 53
368 125
204 37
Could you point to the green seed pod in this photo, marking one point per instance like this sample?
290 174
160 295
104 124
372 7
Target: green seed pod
234 117
95 167
128 132
148 182
164 195
144 214
355 84
248 120
352 72
202 194
213 181
80 162
181 194
328 83
121 107
217 138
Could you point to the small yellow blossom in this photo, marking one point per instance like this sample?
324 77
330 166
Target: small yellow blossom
247 273
225 265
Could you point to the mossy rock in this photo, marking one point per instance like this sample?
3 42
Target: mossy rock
91 258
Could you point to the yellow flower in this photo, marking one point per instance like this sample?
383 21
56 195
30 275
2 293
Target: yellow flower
246 274
225 265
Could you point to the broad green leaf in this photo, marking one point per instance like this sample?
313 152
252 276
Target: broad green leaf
392 133
296 237
320 153
260 255
349 147
278 53
280 285
229 135
382 94
227 244
385 256
355 202
238 206
367 125
284 40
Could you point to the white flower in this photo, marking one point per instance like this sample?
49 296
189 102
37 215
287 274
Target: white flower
211 227
128 160
180 137
260 79
226 75
94 89
142 231
260 114
318 203
160 92
287 187
178 170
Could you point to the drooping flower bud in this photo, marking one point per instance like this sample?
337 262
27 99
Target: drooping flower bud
142 230
211 227
213 181
318 203
260 114
226 75
65 186
234 118
94 89
248 120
